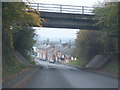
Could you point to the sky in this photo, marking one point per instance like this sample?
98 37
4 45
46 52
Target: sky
69 2
55 34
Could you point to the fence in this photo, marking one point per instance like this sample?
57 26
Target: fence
62 8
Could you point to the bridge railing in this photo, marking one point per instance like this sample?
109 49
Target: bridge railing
62 8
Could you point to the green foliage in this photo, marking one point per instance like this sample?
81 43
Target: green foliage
105 41
88 44
15 35
32 62
7 53
112 67
79 62
15 14
23 41
12 68
15 17
108 22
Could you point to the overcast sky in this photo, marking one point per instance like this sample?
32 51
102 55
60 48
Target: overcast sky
55 34
59 33
70 2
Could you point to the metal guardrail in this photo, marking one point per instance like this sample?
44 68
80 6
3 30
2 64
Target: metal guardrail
62 8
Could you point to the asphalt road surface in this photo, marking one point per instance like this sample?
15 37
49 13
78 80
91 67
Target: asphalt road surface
62 76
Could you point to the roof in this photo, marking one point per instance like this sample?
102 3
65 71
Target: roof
64 49
44 46
67 51
50 51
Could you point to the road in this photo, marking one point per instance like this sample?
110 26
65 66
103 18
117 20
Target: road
62 76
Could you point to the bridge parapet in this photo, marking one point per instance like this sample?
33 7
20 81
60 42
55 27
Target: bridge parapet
66 16
62 8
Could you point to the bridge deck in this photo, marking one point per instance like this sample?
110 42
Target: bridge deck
64 16
67 20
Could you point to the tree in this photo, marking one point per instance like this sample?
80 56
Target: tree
23 41
108 23
15 14
105 41
88 44
15 19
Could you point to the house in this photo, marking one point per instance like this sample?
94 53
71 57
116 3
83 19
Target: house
47 52
55 51
42 49
64 52
50 53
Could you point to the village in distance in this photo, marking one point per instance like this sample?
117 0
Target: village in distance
56 51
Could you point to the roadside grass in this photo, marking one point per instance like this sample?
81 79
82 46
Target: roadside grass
12 65
111 66
29 59
32 61
79 62
10 69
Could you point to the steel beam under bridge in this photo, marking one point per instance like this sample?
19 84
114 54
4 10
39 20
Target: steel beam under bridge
68 20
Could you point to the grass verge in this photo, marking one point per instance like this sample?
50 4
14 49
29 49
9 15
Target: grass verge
79 62
11 69
111 66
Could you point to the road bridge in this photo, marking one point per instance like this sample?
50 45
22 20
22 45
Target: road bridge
66 16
